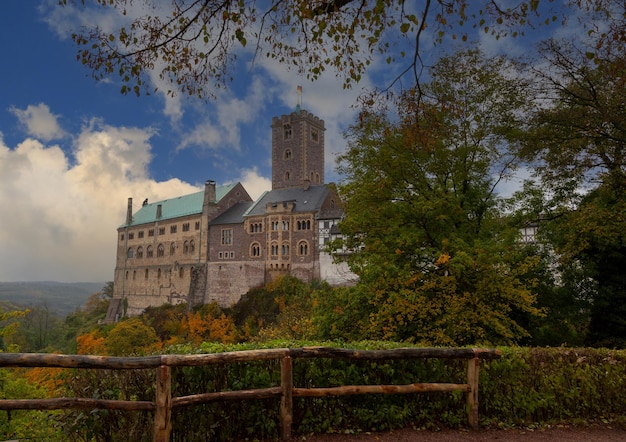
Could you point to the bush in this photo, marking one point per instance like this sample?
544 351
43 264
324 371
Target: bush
525 387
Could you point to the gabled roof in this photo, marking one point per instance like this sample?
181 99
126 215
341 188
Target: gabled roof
176 207
234 215
305 200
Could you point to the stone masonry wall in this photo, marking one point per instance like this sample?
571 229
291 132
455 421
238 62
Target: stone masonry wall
165 276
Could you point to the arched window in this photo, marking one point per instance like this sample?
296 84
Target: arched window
134 274
287 176
160 251
285 250
172 249
146 276
304 225
287 131
303 248
149 252
255 250
159 274
185 248
139 252
192 246
129 254
181 272
287 154
126 275
274 249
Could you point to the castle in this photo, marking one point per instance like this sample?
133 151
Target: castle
216 244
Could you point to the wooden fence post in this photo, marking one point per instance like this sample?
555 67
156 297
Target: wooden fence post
163 412
472 395
286 400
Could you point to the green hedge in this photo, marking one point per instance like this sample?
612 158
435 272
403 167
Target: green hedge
525 387
542 385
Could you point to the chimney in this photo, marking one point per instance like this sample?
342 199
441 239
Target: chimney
159 211
129 212
209 192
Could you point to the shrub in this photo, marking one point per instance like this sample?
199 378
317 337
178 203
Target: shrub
523 388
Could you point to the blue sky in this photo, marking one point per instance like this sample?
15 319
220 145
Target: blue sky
72 150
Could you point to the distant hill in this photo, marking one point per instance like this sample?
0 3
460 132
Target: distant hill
60 297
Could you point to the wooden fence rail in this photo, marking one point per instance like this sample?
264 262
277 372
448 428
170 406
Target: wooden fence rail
164 402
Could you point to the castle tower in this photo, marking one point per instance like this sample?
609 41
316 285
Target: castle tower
297 150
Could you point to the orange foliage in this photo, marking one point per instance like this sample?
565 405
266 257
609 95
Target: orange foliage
91 343
196 327
223 330
208 329
50 379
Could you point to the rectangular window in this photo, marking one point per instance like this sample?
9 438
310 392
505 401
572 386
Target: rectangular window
227 237
197 225
122 237
140 234
131 236
185 227
151 232
161 230
173 228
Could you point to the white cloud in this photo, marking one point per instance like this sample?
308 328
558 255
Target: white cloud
219 126
254 183
39 122
60 216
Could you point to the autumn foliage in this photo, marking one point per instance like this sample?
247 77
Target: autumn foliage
91 343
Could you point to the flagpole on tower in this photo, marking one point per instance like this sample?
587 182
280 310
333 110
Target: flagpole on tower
299 104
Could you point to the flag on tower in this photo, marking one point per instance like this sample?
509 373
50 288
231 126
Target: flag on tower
299 103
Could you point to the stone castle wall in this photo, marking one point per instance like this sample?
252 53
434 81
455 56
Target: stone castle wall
155 262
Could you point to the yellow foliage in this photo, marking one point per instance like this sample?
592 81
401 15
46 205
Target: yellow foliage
443 259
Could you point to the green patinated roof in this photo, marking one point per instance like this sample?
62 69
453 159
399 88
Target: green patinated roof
175 207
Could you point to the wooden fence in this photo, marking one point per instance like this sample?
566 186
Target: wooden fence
164 402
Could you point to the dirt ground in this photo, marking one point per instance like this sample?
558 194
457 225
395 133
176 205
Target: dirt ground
597 433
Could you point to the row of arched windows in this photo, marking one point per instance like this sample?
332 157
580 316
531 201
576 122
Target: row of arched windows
255 227
279 249
304 224
280 225
146 273
188 247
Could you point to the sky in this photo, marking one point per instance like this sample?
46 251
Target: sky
73 150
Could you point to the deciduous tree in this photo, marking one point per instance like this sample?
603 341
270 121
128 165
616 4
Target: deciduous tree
131 337
579 146
195 44
437 262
